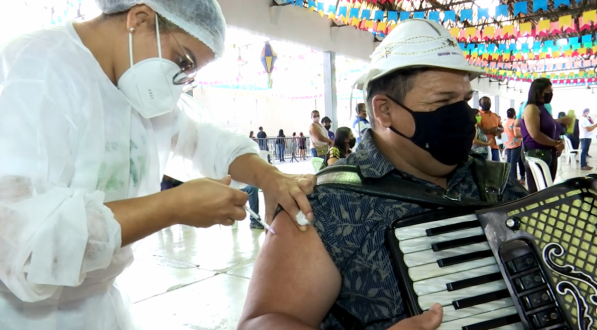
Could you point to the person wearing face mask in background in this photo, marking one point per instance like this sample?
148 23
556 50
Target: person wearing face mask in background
480 142
422 131
491 125
540 132
343 145
327 123
360 123
89 116
320 142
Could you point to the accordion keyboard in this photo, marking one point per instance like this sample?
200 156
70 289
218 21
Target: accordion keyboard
450 262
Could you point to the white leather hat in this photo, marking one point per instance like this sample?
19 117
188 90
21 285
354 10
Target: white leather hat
416 43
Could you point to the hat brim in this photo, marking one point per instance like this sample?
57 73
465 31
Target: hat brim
371 75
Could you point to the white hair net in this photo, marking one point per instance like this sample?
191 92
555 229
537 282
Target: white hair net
203 19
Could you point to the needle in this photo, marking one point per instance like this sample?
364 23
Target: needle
258 218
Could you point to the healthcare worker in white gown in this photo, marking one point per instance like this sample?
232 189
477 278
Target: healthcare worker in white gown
88 124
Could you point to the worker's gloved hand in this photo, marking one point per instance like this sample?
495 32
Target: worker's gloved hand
289 191
207 202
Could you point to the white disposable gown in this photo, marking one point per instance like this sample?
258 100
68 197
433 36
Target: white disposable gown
70 142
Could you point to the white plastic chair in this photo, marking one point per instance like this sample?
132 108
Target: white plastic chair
316 162
540 172
488 153
264 153
568 153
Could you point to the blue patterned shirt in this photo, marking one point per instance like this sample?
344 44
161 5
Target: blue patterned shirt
352 227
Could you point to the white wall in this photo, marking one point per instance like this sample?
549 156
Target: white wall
248 113
298 25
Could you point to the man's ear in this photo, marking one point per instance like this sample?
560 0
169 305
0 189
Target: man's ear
381 110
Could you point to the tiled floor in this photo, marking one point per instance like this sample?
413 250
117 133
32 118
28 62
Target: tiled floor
187 278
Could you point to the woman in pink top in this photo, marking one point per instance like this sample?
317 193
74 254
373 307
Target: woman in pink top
514 146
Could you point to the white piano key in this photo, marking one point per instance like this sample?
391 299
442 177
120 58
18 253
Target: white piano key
445 298
459 323
451 314
419 230
429 256
424 243
439 283
433 270
514 326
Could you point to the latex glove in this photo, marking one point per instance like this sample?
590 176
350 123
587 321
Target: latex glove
430 320
290 191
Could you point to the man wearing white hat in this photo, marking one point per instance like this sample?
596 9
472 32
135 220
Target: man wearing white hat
340 276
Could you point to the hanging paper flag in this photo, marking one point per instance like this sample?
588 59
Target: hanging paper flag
393 16
378 15
381 27
268 59
539 4
354 12
466 14
454 32
366 14
419 14
342 12
589 16
501 10
299 3
482 13
520 8
434 16
558 3
508 31
488 33
404 15
470 32
449 16
331 12
525 29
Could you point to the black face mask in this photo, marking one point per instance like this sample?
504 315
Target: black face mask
352 142
547 97
327 127
446 133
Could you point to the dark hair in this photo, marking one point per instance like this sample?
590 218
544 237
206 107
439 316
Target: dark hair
561 114
484 98
281 132
396 84
537 88
260 128
360 107
342 133
511 113
250 133
293 133
326 119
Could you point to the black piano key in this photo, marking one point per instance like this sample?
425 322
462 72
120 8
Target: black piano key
483 279
451 261
481 299
495 323
458 242
453 227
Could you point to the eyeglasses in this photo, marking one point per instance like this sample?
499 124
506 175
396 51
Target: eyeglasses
188 69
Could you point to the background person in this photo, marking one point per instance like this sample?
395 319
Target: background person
480 142
587 133
491 125
540 132
343 145
320 142
360 123
327 123
281 145
514 146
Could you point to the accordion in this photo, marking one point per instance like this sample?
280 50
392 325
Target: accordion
528 264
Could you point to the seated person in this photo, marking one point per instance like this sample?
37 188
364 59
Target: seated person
343 143
419 132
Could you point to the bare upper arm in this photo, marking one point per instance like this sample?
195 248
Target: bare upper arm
294 275
531 118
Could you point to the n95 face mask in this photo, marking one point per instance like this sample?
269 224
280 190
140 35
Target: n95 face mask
148 85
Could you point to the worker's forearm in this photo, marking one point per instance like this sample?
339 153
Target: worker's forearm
141 217
274 322
251 169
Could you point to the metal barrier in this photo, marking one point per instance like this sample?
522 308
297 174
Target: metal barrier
288 149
